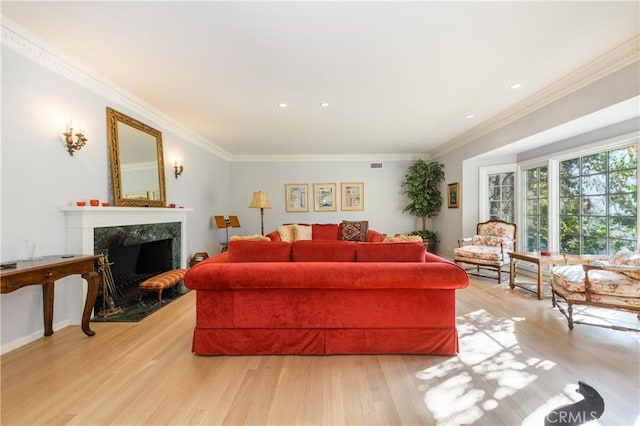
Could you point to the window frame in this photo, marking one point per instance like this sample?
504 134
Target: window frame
483 196
552 163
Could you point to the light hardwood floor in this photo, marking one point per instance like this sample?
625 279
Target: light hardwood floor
518 360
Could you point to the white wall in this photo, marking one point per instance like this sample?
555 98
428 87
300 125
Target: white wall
39 177
462 164
384 200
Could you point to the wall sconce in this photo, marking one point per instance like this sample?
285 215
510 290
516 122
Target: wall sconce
78 143
177 167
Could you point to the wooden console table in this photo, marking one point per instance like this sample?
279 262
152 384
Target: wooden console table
45 272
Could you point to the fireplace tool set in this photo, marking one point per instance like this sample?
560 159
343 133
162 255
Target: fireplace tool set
108 289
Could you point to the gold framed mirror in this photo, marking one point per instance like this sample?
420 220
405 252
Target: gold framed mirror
137 164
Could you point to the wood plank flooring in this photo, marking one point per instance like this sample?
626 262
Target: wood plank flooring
518 360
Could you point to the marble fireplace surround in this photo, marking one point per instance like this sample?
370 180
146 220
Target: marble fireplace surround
82 221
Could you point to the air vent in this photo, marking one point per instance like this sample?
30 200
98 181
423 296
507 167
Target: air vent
375 165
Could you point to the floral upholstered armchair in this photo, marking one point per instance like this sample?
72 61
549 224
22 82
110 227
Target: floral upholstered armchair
614 284
489 248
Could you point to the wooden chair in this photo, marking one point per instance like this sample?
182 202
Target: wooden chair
489 248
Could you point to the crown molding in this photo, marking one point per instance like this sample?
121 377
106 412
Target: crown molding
625 54
39 51
329 157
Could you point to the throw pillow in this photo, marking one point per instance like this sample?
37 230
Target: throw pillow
286 233
325 231
354 231
402 238
256 237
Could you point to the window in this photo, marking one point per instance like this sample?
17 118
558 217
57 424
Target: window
501 199
537 209
598 202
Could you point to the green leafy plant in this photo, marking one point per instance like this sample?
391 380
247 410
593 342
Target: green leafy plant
422 186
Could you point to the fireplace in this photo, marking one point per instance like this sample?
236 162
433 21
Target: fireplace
82 239
136 253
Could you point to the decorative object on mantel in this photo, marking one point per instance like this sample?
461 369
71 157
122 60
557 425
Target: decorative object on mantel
260 201
177 167
81 203
221 222
80 139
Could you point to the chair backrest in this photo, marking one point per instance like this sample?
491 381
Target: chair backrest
497 228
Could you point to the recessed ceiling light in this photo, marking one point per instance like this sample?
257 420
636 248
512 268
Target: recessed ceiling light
516 85
282 105
470 115
324 104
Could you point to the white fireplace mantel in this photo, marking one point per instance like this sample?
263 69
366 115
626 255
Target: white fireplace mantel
81 222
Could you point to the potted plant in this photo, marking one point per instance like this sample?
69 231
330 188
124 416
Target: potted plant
422 186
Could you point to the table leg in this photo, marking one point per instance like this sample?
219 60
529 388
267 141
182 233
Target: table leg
539 281
92 293
512 273
47 307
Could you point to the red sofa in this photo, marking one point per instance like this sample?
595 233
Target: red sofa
325 297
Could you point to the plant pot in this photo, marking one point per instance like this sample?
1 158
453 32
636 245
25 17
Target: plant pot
431 245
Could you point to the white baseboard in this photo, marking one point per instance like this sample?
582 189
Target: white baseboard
15 344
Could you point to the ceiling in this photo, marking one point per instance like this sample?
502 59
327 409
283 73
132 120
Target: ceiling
399 77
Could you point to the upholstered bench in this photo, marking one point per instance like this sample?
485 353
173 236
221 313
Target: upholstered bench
161 281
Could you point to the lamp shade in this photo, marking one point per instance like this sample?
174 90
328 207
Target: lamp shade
260 201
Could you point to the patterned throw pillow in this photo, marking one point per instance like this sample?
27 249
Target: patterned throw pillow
354 231
287 233
402 238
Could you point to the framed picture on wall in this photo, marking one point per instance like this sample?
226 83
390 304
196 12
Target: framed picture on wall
453 195
296 196
352 196
324 197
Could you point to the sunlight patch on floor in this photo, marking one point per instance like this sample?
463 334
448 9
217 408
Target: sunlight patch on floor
490 367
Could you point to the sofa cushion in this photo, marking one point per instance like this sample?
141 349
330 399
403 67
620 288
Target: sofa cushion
325 231
627 258
572 278
259 251
391 252
323 251
354 230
